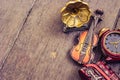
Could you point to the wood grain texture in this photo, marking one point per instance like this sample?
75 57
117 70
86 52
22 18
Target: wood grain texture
41 51
12 17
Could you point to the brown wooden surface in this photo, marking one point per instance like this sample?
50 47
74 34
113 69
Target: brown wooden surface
32 44
13 14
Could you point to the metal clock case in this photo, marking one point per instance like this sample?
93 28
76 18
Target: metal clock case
110 43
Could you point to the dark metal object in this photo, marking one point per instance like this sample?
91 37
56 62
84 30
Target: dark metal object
100 12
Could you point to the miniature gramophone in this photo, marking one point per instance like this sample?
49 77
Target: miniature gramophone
75 14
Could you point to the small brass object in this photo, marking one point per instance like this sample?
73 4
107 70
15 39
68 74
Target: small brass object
75 13
102 31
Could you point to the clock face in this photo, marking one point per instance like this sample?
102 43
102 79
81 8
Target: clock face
112 43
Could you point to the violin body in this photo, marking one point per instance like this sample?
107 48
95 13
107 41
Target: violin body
76 53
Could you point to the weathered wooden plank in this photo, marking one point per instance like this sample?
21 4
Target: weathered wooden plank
41 50
110 9
12 17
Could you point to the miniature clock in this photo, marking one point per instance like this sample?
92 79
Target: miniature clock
110 43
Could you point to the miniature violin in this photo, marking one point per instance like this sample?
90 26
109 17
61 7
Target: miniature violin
87 40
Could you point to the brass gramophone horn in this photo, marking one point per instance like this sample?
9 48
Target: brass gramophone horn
75 13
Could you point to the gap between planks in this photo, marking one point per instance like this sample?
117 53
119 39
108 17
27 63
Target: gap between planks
22 26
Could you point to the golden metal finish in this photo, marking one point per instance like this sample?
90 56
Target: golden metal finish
102 31
75 13
115 43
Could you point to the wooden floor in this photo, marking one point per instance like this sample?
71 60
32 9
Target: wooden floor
32 44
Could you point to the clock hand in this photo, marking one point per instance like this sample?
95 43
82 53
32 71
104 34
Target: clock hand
118 41
114 44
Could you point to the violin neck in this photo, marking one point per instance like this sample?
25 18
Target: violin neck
94 23
90 33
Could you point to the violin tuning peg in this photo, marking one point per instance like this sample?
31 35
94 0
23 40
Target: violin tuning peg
100 20
99 11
